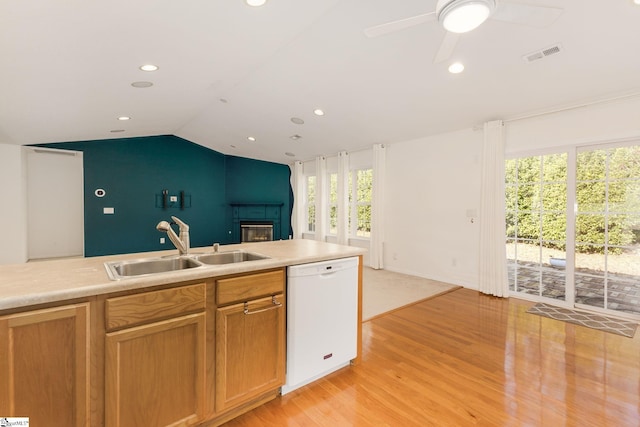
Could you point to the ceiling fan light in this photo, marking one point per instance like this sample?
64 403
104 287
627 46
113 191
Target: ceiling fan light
255 3
465 15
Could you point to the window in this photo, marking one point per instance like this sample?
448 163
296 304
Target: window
360 183
333 204
321 206
536 223
310 203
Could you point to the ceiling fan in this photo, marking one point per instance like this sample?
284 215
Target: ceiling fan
461 16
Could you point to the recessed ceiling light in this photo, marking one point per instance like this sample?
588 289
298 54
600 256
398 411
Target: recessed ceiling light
295 137
123 118
232 146
251 138
116 130
297 120
289 154
224 100
456 68
318 112
148 67
255 3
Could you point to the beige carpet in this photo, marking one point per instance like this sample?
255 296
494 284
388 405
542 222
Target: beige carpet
385 291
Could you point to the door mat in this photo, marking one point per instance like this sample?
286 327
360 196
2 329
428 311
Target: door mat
590 320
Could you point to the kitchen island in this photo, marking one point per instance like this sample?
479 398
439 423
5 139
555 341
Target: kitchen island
191 347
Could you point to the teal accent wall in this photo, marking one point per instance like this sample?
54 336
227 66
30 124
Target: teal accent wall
256 181
134 171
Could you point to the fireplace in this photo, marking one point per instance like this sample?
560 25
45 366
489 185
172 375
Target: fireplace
256 222
256 231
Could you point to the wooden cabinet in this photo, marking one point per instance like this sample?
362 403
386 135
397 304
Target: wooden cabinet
190 354
155 367
170 354
250 338
44 365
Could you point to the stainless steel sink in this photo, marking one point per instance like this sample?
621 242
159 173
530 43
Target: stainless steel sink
140 267
147 266
229 257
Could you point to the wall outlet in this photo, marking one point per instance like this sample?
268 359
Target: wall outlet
108 211
162 240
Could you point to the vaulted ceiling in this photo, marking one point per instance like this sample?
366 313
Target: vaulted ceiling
228 71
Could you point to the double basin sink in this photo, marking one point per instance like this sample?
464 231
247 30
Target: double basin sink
142 267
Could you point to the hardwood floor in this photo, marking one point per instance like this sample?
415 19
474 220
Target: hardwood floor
466 359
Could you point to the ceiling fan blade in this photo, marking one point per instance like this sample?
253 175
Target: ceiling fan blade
447 47
401 24
534 16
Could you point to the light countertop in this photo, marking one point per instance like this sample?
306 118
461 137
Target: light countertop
41 282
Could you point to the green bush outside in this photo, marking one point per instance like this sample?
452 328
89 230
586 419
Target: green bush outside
608 199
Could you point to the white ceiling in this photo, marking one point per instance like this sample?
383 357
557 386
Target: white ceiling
66 68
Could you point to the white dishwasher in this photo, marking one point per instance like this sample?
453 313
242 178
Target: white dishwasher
322 319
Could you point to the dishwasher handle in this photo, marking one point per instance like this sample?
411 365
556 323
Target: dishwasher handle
274 301
328 273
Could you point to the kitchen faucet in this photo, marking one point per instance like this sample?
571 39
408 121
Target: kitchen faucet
181 242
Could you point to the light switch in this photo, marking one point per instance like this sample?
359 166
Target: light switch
108 211
173 198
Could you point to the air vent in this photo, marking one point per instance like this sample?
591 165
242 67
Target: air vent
539 54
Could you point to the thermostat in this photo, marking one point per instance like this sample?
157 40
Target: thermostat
100 192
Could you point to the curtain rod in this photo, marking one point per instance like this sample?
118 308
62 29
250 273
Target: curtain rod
357 150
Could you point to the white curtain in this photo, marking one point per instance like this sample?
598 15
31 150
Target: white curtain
343 198
493 263
298 213
321 201
376 258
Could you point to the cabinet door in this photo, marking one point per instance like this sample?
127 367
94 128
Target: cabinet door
155 373
250 350
44 366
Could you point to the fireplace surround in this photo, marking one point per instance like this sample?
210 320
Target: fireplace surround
256 222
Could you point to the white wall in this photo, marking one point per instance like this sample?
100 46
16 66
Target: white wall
598 123
432 185
433 182
13 215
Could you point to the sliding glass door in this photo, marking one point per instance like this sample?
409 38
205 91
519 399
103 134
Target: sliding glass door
536 214
573 227
607 261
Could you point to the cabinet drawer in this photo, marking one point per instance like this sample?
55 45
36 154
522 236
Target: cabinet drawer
150 306
249 287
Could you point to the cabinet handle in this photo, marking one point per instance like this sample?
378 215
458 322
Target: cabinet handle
275 303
